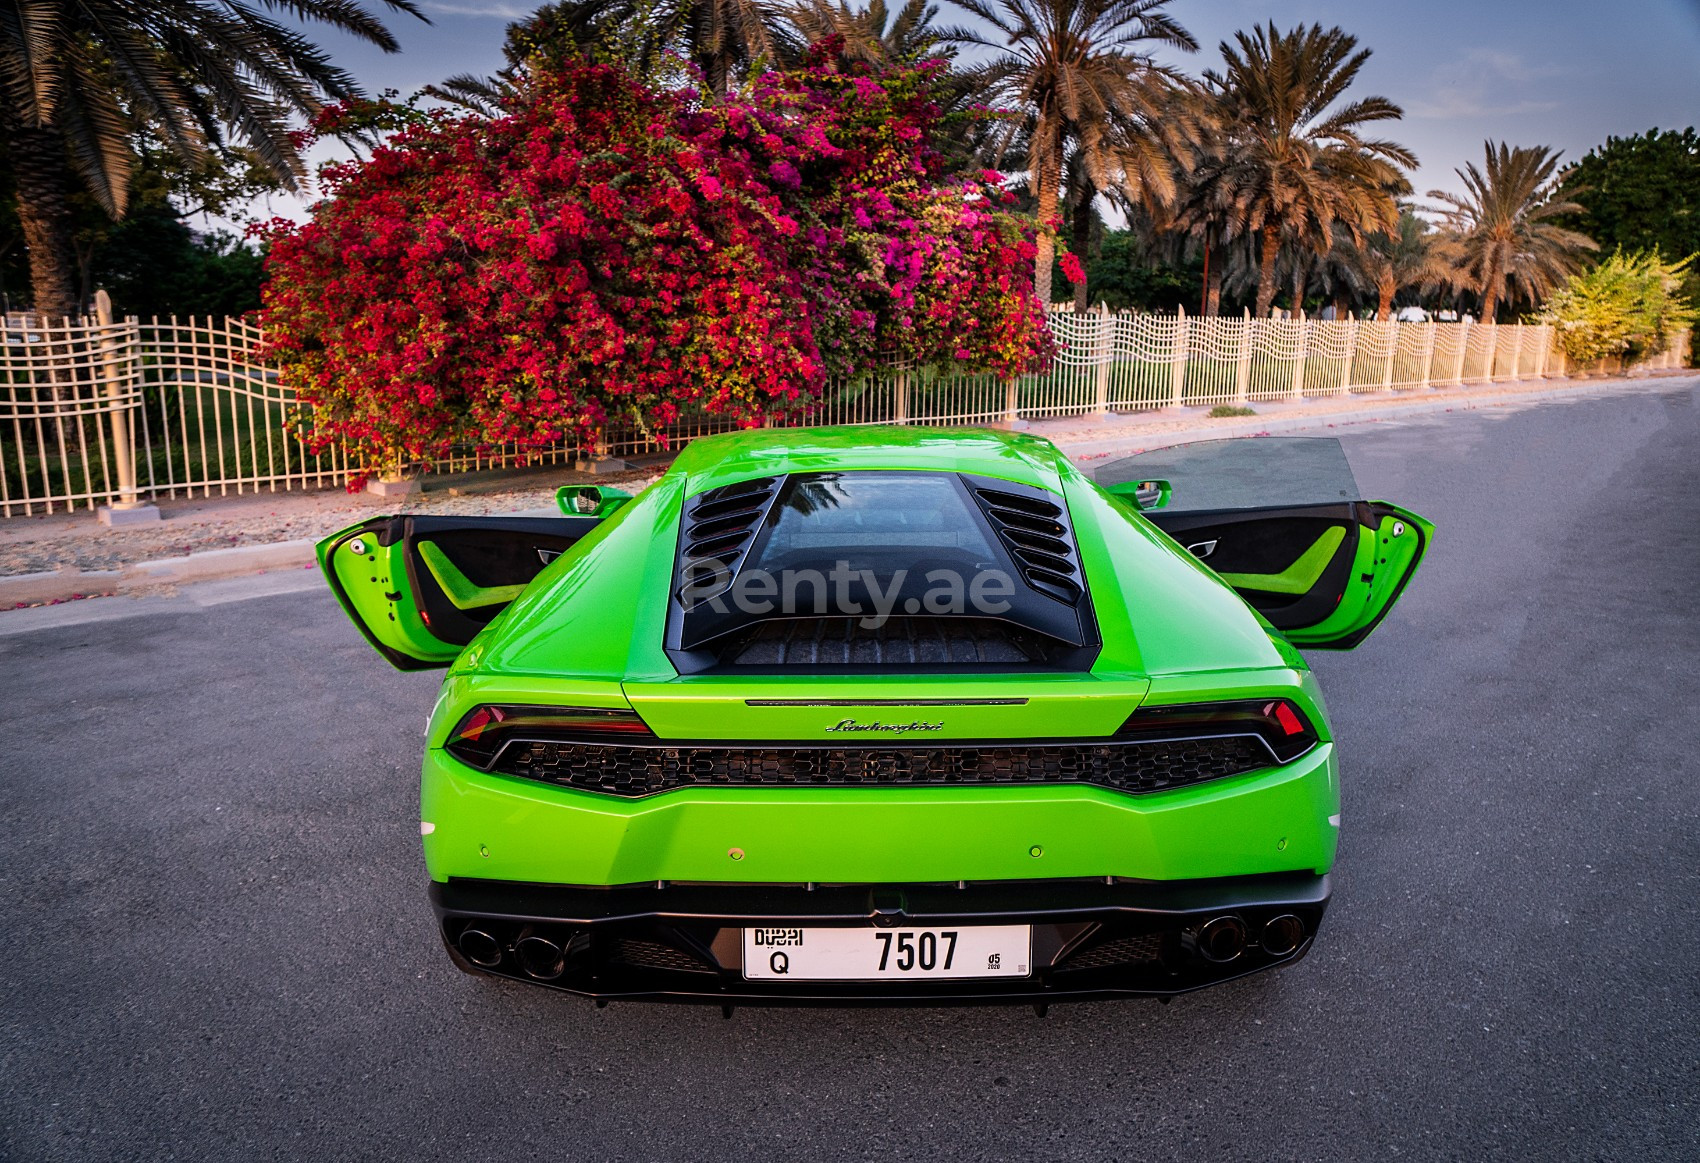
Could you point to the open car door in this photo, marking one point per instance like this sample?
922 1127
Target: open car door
1281 521
420 588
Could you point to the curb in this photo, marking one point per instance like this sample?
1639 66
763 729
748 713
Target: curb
62 585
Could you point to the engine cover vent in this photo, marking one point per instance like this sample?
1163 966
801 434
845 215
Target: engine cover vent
1036 531
718 528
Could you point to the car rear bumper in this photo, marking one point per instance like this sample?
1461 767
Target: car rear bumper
496 827
683 943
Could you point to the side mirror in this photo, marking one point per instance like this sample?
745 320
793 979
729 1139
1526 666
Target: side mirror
590 500
1144 494
1152 494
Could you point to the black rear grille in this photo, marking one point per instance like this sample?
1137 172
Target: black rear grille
904 641
626 770
1120 952
654 955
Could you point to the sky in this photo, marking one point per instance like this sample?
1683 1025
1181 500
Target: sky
1562 73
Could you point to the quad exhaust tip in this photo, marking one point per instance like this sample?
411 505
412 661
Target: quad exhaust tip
480 948
540 958
1222 939
1281 935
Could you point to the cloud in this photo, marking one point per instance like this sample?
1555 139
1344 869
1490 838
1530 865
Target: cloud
476 8
1485 82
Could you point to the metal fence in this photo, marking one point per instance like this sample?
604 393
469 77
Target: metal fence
99 411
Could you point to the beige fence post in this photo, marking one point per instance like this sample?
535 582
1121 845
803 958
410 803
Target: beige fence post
1353 326
1103 350
1390 332
1177 359
1242 372
1430 330
129 508
1491 362
1300 354
900 399
1011 400
1463 350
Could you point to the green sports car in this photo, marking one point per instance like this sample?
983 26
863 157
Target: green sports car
887 715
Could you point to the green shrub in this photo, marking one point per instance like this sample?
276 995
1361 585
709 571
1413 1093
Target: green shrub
1221 410
1628 305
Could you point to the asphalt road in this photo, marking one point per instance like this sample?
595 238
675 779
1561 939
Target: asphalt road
217 945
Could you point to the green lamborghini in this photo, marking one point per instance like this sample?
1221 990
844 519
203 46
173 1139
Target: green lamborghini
887 715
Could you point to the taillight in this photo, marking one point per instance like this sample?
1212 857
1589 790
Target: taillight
484 731
1280 724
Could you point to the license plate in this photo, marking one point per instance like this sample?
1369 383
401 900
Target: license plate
868 954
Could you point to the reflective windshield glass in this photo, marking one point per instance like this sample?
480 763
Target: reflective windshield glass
1251 473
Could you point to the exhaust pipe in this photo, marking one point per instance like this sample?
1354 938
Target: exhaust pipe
540 957
1282 934
1222 939
480 948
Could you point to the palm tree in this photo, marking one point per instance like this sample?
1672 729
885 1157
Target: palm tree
720 37
1500 235
570 26
1387 262
1204 214
1135 167
875 34
1082 72
82 78
1294 161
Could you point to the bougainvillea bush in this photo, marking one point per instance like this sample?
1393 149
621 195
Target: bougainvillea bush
606 251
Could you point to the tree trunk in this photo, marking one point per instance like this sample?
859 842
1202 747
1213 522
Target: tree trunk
1046 176
1493 281
1266 272
1213 261
1384 308
44 213
1300 271
717 70
1080 243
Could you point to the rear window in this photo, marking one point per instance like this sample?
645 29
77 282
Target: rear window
883 522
